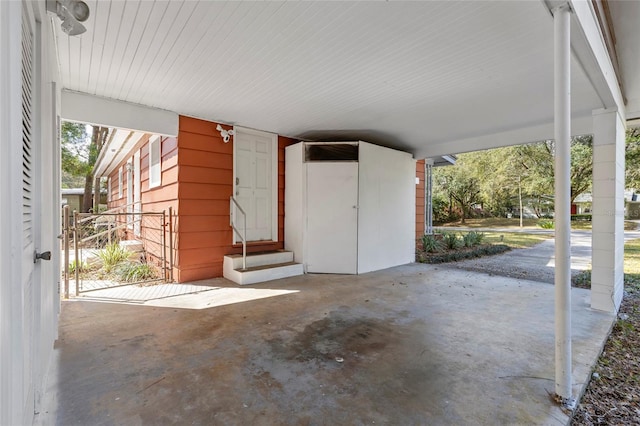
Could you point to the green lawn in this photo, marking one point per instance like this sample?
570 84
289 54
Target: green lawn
632 257
515 239
494 222
501 222
631 268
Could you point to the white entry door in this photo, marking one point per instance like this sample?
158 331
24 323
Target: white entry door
256 183
332 218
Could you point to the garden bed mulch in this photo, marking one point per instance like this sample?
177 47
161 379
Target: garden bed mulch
613 394
461 253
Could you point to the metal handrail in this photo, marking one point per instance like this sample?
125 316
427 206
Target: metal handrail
242 235
119 210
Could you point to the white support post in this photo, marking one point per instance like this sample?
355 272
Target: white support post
428 188
607 275
562 133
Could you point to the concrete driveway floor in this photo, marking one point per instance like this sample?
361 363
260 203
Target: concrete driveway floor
411 345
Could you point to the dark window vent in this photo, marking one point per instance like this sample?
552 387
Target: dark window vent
331 152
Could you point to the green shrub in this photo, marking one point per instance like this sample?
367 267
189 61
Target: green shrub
112 255
546 224
430 244
453 256
81 268
582 279
450 240
135 271
585 217
472 238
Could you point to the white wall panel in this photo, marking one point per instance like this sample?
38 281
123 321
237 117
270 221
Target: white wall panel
324 217
387 199
294 198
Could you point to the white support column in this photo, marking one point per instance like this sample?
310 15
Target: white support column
607 274
428 188
562 132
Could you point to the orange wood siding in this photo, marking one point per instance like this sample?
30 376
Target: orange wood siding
205 176
156 199
420 199
163 196
205 183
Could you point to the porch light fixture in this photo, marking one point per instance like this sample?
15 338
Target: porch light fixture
71 13
226 134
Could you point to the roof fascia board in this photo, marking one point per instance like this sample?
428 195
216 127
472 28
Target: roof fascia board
117 151
590 51
86 108
579 126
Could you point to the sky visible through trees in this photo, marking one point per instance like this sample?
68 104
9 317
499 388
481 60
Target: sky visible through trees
494 182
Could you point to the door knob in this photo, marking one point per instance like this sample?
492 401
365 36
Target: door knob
45 255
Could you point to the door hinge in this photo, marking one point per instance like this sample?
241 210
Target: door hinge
237 181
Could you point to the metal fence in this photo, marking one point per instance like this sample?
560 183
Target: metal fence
118 247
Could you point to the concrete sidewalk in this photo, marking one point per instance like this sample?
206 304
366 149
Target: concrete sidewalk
416 344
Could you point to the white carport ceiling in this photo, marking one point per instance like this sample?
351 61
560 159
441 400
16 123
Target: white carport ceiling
410 75
626 22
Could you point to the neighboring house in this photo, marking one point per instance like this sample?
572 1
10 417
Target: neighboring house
534 207
194 174
582 204
74 197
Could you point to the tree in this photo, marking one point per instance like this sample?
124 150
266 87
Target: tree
581 165
79 154
502 178
460 187
74 153
538 161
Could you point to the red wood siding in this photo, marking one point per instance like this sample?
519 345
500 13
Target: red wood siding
205 176
157 199
420 199
164 196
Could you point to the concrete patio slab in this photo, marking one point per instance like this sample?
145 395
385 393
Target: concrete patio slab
416 344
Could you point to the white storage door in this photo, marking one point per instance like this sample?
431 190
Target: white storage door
332 217
387 215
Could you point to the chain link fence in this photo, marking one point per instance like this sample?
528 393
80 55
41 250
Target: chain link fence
116 248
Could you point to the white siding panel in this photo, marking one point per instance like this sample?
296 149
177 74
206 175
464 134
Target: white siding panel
386 221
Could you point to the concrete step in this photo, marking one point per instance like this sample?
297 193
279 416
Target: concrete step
261 267
261 259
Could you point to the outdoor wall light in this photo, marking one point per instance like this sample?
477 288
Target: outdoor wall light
226 134
71 13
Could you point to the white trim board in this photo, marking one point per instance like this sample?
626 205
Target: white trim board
85 108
